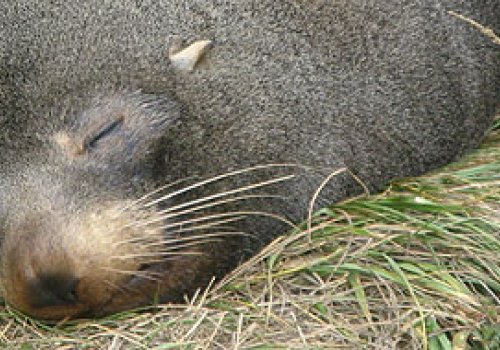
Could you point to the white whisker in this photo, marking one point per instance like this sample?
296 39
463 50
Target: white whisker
228 193
142 274
152 193
159 237
156 254
210 225
143 240
162 241
216 216
186 222
152 240
201 207
175 247
215 179
200 238
211 204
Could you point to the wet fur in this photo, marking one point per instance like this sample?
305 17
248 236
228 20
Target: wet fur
93 114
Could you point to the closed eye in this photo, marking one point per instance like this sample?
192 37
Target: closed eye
109 128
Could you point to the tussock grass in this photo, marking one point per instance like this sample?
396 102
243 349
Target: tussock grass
417 266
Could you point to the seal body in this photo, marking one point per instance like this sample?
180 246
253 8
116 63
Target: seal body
126 180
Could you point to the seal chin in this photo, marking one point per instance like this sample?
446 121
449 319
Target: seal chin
100 263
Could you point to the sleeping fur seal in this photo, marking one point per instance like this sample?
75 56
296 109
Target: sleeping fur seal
147 147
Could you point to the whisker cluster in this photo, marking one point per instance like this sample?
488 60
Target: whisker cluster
176 230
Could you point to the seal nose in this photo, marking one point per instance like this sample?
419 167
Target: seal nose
53 290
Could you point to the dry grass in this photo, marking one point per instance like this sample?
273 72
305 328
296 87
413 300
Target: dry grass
417 266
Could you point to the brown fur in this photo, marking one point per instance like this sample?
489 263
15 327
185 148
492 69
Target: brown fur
96 119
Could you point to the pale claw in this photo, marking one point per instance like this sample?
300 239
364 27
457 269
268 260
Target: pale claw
186 59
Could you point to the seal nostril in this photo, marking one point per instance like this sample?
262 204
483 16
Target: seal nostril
54 290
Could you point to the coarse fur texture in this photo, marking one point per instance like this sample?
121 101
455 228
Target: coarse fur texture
97 127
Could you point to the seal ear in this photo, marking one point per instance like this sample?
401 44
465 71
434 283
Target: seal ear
185 60
118 128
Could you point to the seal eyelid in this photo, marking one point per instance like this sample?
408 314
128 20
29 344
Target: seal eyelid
78 144
104 130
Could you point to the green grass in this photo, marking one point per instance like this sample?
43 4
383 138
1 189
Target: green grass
417 266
